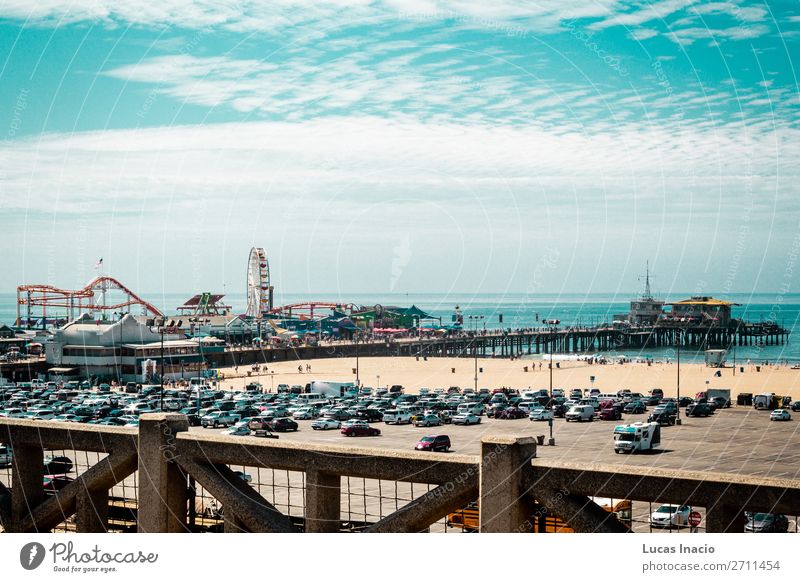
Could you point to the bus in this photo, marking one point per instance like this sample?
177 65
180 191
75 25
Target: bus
468 517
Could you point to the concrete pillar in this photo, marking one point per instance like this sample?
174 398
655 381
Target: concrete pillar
503 499
721 519
323 502
27 490
91 511
163 494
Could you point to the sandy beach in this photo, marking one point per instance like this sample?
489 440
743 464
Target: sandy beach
414 374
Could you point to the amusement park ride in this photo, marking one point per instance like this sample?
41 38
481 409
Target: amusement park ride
260 295
105 298
93 298
259 289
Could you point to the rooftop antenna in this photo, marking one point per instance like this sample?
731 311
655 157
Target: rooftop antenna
647 293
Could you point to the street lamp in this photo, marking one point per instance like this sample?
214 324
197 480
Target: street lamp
678 357
474 319
358 381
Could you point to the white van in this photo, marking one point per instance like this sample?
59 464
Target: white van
579 413
311 398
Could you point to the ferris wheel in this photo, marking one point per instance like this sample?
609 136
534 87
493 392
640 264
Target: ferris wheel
259 290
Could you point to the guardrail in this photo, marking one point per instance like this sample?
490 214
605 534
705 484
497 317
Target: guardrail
511 485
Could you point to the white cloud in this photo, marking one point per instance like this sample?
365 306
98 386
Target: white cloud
643 33
655 11
254 15
350 156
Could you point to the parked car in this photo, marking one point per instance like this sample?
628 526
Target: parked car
766 523
670 515
662 416
220 418
610 413
325 423
306 413
635 407
360 428
434 443
370 415
796 406
780 414
699 409
580 412
338 414
395 416
466 419
238 430
427 420
719 402
283 425
6 457
511 413
541 414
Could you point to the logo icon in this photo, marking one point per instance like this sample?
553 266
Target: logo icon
31 555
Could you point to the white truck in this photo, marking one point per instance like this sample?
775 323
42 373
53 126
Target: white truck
327 388
723 393
640 436
218 418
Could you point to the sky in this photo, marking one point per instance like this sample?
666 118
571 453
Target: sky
384 146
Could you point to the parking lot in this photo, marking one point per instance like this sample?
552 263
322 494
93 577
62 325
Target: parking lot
736 440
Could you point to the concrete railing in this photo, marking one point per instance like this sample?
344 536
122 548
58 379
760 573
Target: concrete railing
509 483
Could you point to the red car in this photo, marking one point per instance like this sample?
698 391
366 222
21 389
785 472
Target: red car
511 413
610 413
360 429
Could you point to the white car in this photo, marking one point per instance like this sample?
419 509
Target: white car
66 418
541 414
325 423
669 515
780 414
466 419
304 414
427 420
237 430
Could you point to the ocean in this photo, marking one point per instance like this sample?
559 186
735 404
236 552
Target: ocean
522 310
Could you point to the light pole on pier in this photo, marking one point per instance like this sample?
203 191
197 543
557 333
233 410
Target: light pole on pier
474 320
678 357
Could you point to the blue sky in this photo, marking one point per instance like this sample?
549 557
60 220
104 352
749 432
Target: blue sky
415 146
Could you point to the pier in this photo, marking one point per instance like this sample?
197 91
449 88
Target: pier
504 344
